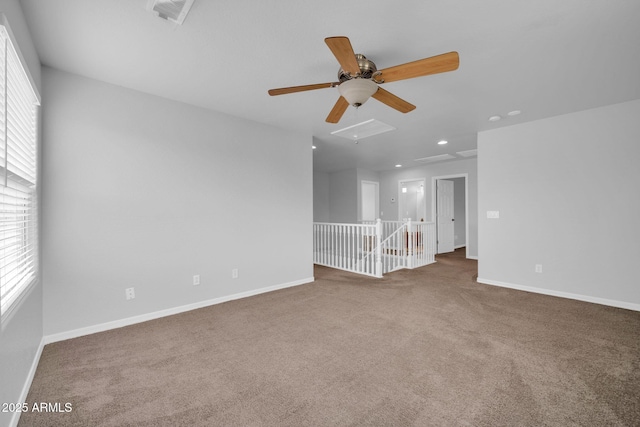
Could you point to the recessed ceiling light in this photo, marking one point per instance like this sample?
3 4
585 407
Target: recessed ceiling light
398 166
313 147
494 118
442 142
514 113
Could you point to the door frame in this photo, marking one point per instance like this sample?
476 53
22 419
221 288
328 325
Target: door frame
434 193
424 201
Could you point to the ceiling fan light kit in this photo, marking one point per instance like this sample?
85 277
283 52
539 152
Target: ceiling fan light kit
357 91
359 78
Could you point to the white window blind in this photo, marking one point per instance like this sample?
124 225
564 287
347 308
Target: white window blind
18 174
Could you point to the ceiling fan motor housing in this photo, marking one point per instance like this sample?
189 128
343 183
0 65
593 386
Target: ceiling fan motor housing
367 69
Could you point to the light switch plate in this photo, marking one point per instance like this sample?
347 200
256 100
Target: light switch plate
493 214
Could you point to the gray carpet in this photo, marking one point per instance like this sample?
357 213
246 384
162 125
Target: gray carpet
424 347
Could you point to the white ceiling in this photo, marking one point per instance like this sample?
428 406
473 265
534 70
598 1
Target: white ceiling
544 57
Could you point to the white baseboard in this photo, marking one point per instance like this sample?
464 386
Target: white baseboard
27 384
472 257
586 298
48 339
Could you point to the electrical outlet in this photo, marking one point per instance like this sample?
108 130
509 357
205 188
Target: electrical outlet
196 280
234 273
538 268
130 293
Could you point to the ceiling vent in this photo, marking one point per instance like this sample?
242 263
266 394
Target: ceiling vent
171 10
468 153
363 130
433 159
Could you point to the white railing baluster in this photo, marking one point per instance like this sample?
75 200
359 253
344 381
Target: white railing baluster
332 238
325 245
336 248
339 247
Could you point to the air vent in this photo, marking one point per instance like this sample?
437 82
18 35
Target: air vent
363 130
433 159
171 10
468 153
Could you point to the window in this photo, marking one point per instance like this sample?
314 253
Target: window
18 176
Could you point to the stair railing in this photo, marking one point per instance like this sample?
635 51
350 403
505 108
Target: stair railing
376 248
350 247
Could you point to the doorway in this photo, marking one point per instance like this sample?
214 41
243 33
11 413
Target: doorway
411 200
451 216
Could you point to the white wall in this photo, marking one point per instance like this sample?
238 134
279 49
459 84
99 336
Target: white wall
145 192
20 332
389 189
567 192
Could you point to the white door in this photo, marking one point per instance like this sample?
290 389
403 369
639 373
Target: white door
444 216
369 194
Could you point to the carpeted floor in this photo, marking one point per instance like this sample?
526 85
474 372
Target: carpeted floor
424 347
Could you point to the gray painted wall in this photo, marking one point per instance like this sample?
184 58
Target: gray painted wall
343 197
567 192
321 206
21 332
336 196
145 192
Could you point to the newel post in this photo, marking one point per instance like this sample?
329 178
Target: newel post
378 247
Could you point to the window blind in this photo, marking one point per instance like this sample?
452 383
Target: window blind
18 176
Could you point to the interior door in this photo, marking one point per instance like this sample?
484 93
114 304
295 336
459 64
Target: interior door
369 193
444 216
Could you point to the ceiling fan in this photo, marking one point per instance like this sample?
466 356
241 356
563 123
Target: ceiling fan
359 79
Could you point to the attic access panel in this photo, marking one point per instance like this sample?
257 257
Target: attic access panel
363 130
171 10
432 159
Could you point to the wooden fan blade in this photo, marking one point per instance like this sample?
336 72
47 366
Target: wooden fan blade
393 101
342 50
422 67
285 90
338 110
